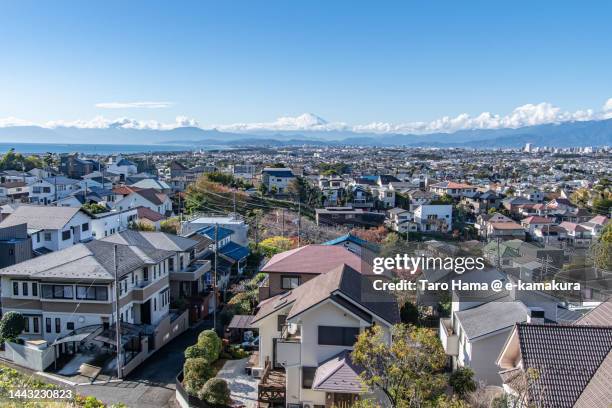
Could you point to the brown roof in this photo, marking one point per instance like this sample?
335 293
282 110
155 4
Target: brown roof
599 316
152 195
125 190
144 212
339 284
506 226
313 259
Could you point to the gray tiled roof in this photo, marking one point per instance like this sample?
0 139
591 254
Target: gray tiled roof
491 317
339 374
41 217
153 240
566 359
92 260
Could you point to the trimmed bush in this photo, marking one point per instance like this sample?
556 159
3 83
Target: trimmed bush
462 381
209 340
196 372
215 392
11 326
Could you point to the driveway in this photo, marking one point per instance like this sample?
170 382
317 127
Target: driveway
243 387
151 384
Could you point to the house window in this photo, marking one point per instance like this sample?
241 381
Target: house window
15 288
47 236
171 264
35 289
70 326
145 274
308 374
338 336
26 323
35 324
154 304
24 288
48 325
58 325
92 293
65 235
57 291
289 282
85 227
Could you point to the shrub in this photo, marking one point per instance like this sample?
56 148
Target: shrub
462 381
210 340
11 326
238 352
196 372
215 392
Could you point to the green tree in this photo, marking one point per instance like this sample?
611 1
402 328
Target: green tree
462 381
409 313
215 392
210 339
11 326
442 200
196 371
94 208
170 226
601 250
408 370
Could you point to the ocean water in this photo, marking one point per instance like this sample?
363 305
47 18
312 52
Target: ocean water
31 148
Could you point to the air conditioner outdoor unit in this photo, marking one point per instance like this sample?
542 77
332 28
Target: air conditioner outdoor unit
307 404
256 372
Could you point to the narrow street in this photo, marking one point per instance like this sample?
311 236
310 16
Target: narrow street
151 384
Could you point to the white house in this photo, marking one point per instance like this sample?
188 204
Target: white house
51 189
149 198
434 218
308 334
108 223
277 179
121 166
52 228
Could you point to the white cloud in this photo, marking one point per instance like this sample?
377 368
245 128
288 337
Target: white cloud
525 115
134 105
304 122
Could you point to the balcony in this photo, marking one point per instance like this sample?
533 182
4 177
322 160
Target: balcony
450 341
192 272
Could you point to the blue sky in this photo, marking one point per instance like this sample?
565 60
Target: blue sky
229 62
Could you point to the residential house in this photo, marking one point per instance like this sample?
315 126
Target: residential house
232 222
150 218
112 222
75 167
332 188
595 225
292 268
348 216
576 234
451 188
483 221
434 218
123 167
306 335
533 222
504 231
480 202
52 228
14 191
189 277
49 190
277 180
128 197
74 290
360 197
15 245
401 220
571 363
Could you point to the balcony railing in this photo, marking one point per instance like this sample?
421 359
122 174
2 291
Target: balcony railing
192 272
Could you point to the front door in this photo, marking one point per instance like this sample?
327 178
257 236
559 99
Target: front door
145 312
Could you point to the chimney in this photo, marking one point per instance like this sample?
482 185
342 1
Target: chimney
536 315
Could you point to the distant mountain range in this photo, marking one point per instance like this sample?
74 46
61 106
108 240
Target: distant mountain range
566 134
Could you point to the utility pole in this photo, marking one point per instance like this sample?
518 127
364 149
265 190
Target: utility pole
299 225
215 279
498 254
283 227
234 191
117 312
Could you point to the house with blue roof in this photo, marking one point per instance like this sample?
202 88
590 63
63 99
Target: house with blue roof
231 256
354 244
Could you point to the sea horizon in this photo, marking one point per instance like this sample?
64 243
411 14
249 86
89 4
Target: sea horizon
99 148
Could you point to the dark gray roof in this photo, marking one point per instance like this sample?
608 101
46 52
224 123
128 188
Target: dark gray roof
153 240
565 357
491 317
339 374
92 260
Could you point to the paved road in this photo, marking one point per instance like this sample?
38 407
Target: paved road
151 384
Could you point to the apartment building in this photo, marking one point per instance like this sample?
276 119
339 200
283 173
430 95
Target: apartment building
51 228
277 180
434 218
306 336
